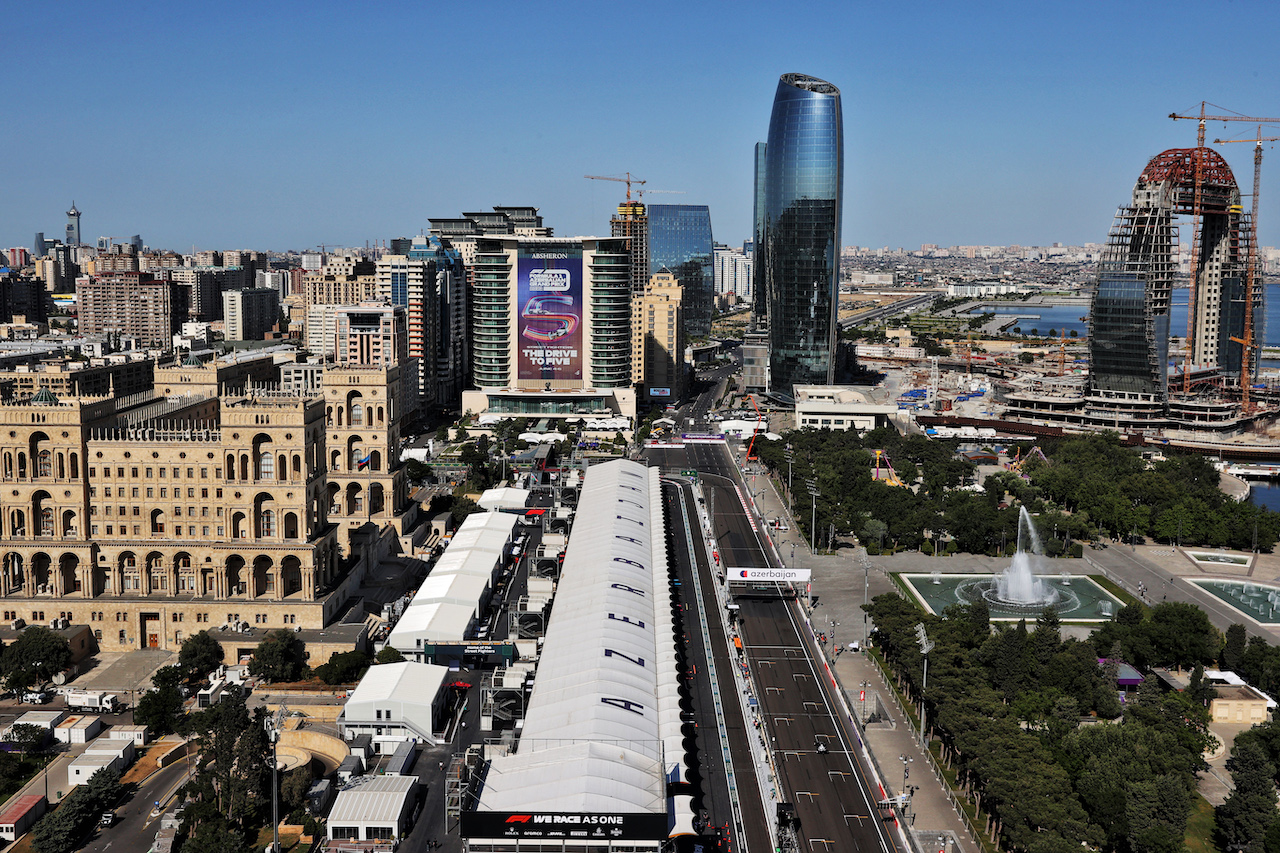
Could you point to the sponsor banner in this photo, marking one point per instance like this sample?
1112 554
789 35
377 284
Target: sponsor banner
777 575
702 437
589 825
549 296
659 392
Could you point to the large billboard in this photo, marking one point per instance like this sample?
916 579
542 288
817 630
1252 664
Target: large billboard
549 278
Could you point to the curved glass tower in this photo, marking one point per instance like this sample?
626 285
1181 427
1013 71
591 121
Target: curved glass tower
798 257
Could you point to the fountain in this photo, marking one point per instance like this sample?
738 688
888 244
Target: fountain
1016 592
1017 586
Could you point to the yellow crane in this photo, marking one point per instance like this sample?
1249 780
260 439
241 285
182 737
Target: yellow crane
1247 345
628 180
1195 219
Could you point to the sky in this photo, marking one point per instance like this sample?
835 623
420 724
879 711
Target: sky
277 126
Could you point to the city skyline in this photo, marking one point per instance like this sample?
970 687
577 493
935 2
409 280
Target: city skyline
991 127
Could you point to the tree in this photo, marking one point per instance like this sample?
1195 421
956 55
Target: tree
280 657
159 710
37 654
60 831
232 780
200 654
416 470
294 787
462 507
389 654
168 676
1249 810
28 738
343 667
1233 649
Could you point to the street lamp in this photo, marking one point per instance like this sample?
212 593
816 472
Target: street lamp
790 463
864 686
835 646
906 774
273 725
813 517
866 588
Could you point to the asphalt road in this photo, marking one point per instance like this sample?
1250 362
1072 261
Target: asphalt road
746 829
831 792
135 827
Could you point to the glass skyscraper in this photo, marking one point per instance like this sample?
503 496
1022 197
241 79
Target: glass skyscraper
680 242
798 256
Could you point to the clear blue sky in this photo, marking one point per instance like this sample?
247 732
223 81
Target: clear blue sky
284 125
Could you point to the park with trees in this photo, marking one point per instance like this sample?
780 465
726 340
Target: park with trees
1090 488
1032 730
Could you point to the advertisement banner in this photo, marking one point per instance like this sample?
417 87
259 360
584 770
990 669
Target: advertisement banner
549 294
779 575
585 825
659 392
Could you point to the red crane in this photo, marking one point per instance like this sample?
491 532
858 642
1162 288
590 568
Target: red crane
1247 344
1195 221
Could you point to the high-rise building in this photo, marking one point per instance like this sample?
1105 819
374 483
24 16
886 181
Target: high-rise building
429 284
133 304
205 286
798 249
1129 320
73 226
19 257
658 337
631 221
551 326
680 242
733 272
38 248
438 322
373 334
760 297
249 314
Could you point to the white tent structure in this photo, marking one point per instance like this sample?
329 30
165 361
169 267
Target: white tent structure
602 732
446 608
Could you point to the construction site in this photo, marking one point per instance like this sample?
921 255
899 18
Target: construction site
1133 373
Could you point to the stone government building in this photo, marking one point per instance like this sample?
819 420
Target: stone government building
212 500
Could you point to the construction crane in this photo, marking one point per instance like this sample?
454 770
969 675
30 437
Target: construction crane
628 180
1247 345
891 476
1195 222
641 193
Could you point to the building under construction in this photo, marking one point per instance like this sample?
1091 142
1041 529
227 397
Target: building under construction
1130 386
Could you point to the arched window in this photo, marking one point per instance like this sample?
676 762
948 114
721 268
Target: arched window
157 521
268 522
44 464
357 415
8 464
266 466
46 521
